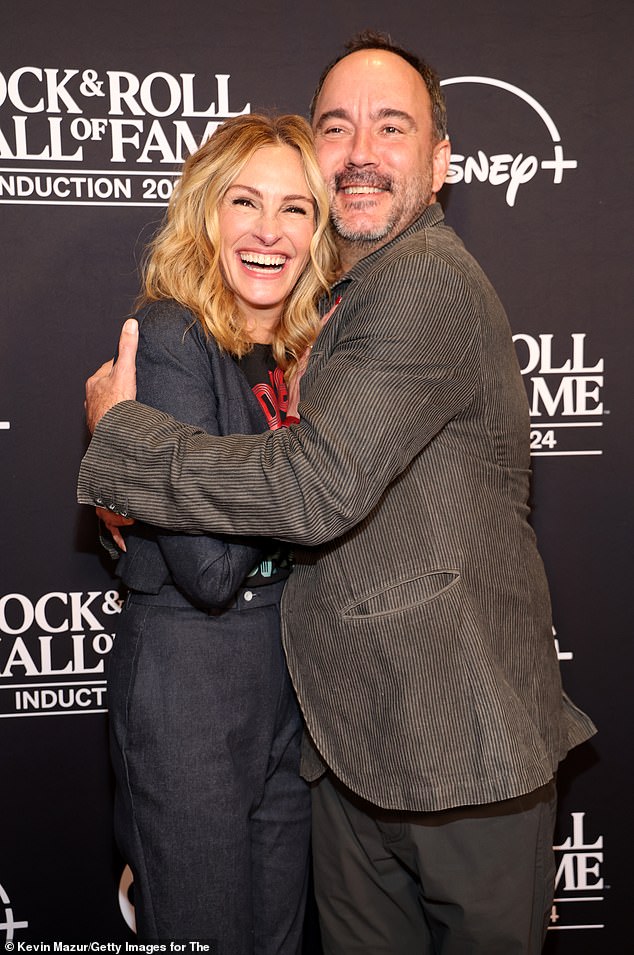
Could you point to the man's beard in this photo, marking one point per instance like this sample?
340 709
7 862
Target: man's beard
410 197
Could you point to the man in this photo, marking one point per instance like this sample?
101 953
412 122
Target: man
417 620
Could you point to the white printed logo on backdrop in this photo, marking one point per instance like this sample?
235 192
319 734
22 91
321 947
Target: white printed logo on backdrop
579 882
564 380
544 154
8 921
52 652
79 137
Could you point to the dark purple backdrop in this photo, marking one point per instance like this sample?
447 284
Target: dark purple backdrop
540 193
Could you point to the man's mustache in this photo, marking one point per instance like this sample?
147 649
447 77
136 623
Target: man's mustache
344 180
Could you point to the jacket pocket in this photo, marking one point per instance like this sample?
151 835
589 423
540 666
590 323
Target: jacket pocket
404 594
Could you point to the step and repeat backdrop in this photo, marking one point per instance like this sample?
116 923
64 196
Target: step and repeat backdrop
98 107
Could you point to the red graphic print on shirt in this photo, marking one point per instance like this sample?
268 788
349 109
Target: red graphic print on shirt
273 398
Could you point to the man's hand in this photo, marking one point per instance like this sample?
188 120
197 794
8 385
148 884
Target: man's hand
113 522
114 381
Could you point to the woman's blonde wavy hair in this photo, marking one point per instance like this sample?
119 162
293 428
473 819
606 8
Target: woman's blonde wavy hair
182 262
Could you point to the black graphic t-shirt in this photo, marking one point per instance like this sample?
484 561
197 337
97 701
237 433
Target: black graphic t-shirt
267 382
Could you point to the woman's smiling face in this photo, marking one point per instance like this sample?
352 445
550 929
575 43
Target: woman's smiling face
266 221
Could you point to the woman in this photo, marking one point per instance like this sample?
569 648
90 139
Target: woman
211 813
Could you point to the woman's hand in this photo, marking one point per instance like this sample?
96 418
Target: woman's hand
113 522
293 389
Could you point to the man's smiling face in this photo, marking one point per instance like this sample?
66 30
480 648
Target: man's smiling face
373 133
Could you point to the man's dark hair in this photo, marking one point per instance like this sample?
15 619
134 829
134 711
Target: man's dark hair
372 40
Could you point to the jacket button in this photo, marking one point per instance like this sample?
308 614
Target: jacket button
248 595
